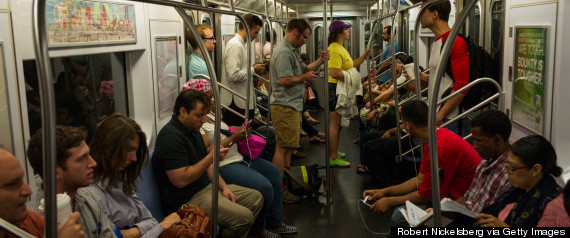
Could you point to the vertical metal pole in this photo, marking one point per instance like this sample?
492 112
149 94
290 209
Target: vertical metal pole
433 100
47 98
378 9
327 112
287 13
217 124
282 18
269 89
249 64
394 79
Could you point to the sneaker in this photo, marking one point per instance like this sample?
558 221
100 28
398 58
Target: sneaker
339 162
340 154
270 234
288 197
286 229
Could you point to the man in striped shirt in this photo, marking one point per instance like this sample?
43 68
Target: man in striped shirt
490 132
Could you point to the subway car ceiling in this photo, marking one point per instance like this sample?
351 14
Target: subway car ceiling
314 8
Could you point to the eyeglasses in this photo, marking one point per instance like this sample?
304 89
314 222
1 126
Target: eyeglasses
209 38
511 170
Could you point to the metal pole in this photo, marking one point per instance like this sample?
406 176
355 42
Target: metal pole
394 77
47 98
327 112
439 70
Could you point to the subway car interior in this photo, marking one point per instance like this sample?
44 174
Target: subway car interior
78 62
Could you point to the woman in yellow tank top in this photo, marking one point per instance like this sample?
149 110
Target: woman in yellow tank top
340 61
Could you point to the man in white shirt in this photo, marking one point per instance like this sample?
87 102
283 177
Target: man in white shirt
236 65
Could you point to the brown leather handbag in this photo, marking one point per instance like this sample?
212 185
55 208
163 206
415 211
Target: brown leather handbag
194 223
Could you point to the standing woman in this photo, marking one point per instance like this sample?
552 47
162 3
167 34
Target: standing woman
120 150
339 61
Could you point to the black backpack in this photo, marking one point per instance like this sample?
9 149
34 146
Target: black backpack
303 180
481 64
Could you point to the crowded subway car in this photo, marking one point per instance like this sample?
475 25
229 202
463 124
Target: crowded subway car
282 118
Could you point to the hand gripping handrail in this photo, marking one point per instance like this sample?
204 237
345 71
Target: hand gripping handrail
439 70
47 99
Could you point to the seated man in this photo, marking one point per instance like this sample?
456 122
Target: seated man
74 172
14 192
490 132
183 169
456 157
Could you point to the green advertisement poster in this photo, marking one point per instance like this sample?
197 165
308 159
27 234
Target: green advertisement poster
530 72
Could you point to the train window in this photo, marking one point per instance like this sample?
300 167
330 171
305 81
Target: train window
87 89
5 125
318 40
206 19
474 25
377 37
167 74
497 24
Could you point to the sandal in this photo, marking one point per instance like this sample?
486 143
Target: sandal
313 121
362 169
357 140
321 135
316 139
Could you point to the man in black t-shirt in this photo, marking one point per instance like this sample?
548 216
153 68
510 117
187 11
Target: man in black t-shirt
183 169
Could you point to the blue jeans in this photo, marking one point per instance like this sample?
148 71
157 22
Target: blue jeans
264 177
455 126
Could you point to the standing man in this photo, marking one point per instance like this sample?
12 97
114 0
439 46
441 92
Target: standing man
289 74
236 65
195 61
387 52
435 18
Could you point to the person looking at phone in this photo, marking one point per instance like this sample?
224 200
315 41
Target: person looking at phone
288 92
255 173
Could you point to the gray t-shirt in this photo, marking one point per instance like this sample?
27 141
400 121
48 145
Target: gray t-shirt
286 63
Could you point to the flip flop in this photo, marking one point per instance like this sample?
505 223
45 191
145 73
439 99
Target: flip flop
316 139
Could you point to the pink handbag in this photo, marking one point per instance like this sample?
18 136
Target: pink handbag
251 147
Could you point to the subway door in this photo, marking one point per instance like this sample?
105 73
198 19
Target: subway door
168 60
530 57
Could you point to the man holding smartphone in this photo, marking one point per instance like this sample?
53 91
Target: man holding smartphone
288 74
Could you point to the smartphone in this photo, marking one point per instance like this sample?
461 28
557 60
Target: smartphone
368 201
248 124
230 144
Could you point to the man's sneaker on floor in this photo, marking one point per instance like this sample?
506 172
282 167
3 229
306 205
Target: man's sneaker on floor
339 162
270 234
340 154
288 197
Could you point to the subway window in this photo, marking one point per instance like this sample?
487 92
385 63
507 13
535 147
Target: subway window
87 89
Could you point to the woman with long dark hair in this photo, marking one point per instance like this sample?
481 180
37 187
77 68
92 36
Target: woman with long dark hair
531 166
120 150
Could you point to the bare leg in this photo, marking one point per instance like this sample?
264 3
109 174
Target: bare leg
282 158
334 134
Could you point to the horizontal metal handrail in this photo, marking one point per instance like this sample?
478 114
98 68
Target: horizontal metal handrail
231 91
13 230
261 77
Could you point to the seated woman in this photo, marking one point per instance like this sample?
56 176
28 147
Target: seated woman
531 166
120 150
258 174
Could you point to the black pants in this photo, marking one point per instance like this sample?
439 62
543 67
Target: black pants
380 154
234 120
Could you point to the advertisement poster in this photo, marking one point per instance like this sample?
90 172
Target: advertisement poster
78 23
530 72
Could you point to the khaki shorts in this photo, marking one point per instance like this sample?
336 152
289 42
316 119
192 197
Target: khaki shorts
287 123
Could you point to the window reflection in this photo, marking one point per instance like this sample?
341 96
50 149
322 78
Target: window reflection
167 68
87 89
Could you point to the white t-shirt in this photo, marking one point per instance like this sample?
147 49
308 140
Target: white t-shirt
233 155
446 81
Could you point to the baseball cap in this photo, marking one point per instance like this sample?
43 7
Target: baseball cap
335 25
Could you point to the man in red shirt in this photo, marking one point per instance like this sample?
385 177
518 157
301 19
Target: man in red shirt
435 18
14 192
456 158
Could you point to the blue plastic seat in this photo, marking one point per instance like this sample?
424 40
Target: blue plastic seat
148 191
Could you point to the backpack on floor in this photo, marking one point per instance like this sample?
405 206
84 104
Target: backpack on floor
481 64
303 180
